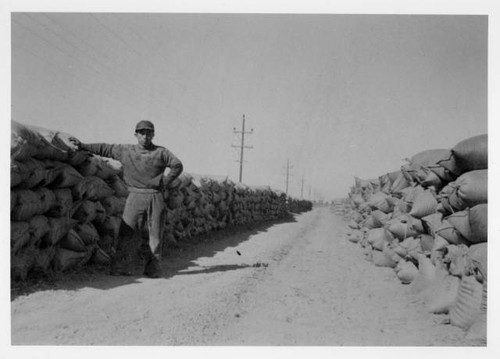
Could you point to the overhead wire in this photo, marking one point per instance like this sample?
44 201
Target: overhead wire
39 36
141 55
95 57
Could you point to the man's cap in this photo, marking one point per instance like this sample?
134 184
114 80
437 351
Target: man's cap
144 125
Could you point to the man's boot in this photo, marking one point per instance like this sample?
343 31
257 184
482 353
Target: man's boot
121 265
153 267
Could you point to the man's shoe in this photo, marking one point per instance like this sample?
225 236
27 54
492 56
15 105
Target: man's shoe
153 268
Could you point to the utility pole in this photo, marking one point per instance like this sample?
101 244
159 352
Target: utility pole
302 188
288 168
242 146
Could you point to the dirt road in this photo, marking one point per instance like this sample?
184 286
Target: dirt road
294 283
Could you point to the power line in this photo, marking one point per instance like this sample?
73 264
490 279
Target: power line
242 146
95 56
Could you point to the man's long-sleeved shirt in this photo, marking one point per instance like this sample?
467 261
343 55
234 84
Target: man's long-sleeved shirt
142 167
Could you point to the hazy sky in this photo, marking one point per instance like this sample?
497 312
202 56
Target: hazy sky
337 95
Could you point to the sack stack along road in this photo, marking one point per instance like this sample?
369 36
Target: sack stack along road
296 282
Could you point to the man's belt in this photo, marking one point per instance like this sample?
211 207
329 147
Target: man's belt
143 190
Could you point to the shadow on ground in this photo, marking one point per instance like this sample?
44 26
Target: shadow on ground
176 261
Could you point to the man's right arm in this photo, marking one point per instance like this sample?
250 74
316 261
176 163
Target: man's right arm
101 149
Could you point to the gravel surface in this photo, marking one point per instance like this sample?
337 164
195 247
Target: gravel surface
295 283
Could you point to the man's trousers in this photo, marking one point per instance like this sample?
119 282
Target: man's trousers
141 209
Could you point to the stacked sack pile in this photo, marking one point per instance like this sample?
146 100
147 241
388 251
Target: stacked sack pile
296 205
341 206
428 221
66 205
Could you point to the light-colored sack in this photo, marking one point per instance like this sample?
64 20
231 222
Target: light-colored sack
478 221
399 184
426 242
424 204
409 194
460 221
370 223
441 295
477 256
380 218
432 222
467 304
428 158
356 217
470 189
402 227
376 199
406 272
386 258
386 206
432 180
438 249
477 332
355 236
455 256
472 153
377 238
426 275
408 245
352 224
450 233
478 329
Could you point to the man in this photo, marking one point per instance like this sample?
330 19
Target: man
143 172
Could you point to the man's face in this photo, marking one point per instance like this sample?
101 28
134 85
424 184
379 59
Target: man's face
144 137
